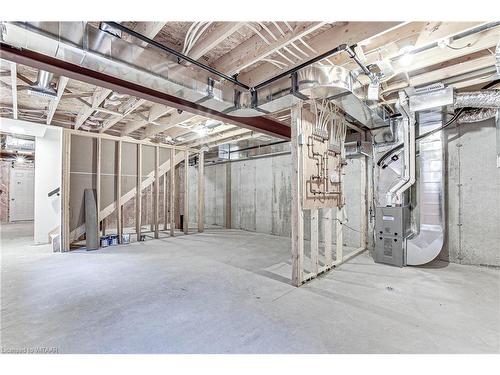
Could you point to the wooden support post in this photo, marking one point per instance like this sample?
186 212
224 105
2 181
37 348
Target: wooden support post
364 198
339 235
297 212
119 217
186 192
150 208
98 183
327 232
227 204
314 241
172 192
138 194
156 194
65 191
201 191
165 205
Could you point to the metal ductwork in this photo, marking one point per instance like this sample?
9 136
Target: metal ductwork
42 86
81 44
427 241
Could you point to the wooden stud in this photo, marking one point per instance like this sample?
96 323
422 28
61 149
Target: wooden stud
339 235
13 82
201 191
314 241
364 197
186 192
65 191
119 222
297 212
156 197
138 194
172 192
227 204
327 232
165 205
98 182
150 207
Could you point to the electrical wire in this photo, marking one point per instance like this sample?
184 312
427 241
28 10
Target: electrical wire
400 146
455 117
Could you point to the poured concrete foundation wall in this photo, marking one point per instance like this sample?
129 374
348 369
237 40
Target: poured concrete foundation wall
473 195
261 197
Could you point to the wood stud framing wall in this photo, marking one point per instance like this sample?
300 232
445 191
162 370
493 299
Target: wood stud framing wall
152 181
306 269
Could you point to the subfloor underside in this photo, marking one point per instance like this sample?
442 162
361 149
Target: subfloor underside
228 291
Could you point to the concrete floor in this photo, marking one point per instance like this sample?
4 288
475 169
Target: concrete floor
228 292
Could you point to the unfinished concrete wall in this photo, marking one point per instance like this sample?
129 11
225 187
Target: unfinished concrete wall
261 197
473 195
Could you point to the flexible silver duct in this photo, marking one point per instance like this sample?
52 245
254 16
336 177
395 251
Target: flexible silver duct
86 46
478 99
476 115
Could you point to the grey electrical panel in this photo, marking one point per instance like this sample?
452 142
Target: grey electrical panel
392 226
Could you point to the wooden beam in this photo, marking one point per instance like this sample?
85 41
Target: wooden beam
138 194
65 191
186 192
327 232
156 111
165 205
340 33
220 136
437 55
254 50
174 120
201 191
314 241
13 84
442 74
228 196
61 86
200 137
119 217
213 39
297 212
156 200
128 107
100 94
172 192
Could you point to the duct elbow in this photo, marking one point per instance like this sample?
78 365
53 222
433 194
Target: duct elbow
425 247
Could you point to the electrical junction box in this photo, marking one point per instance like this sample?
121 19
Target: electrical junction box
392 226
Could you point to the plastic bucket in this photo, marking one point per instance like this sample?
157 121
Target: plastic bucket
104 241
113 239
